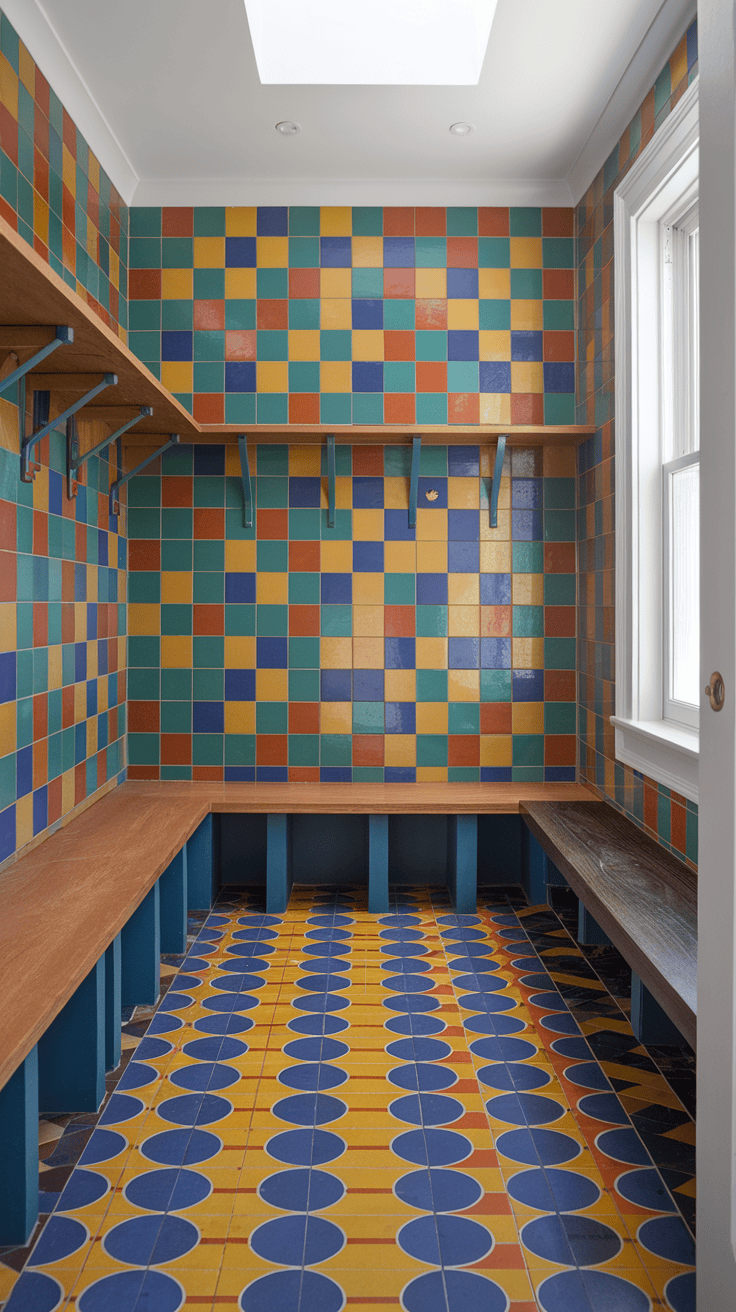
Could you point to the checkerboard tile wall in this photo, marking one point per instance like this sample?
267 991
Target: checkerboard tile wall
62 638
53 191
371 651
668 817
332 315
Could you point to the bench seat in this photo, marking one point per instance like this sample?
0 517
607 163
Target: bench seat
642 897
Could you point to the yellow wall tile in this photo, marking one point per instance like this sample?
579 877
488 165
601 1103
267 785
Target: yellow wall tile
8 626
495 408
502 531
7 728
92 582
368 344
368 526
336 717
431 557
336 311
336 376
343 492
305 461
335 283
432 717
176 587
337 557
432 774
240 653
336 221
240 221
495 344
272 589
303 344
93 171
463 589
272 685
102 693
92 657
92 737
463 621
494 284
209 252
526 252
462 314
368 621
495 557
144 619
400 686
431 525
496 749
368 653
527 376
272 252
272 376
23 820
336 653
527 589
26 69
368 253
399 557
527 717
396 493
240 284
463 685
431 284
526 315
40 489
177 375
240 557
463 493
9 88
55 671
240 717
527 653
67 791
367 589
176 653
431 653
400 749
80 703
69 170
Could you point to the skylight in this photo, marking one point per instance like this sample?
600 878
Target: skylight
373 42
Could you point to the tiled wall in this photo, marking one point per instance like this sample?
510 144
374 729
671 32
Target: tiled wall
62 638
370 651
669 817
362 316
53 190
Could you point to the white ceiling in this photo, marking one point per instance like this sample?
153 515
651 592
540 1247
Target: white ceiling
167 94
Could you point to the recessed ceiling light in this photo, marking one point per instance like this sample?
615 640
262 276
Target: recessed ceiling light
370 42
287 128
461 129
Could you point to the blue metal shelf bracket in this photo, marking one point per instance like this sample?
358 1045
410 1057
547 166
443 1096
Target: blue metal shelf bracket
62 336
247 485
74 460
27 471
416 448
331 481
496 484
120 482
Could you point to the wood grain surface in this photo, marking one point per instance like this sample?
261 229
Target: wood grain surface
642 897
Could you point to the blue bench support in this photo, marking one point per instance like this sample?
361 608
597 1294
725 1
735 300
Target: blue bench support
71 1053
649 1021
377 863
462 862
534 869
200 867
113 1004
279 877
19 1122
141 952
173 887
589 931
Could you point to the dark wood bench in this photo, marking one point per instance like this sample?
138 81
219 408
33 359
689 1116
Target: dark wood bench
633 893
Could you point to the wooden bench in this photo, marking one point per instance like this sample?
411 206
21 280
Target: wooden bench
632 893
85 916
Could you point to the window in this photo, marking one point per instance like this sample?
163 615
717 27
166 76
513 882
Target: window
657 456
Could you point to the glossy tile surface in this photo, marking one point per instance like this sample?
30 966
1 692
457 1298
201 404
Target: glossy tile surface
330 1107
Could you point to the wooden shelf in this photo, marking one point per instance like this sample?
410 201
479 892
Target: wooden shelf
31 293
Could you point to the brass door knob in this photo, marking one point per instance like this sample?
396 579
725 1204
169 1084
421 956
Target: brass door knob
716 691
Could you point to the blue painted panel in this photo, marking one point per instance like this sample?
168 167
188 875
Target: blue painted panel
173 890
19 1153
71 1054
329 849
113 1005
278 863
141 944
200 867
649 1021
242 849
589 931
533 869
462 862
500 839
418 849
377 863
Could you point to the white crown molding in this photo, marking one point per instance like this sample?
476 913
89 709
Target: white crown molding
664 34
58 67
343 191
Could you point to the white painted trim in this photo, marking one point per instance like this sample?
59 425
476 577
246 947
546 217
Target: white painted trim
350 191
663 36
639 203
58 67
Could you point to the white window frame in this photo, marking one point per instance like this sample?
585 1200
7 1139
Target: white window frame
662 182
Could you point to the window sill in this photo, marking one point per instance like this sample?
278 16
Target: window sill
662 751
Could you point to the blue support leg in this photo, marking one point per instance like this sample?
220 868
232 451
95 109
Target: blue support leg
648 1020
19 1122
113 1005
173 886
462 862
589 931
141 943
534 870
200 867
377 864
71 1053
278 862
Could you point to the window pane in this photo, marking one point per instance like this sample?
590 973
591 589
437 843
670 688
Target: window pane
685 584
